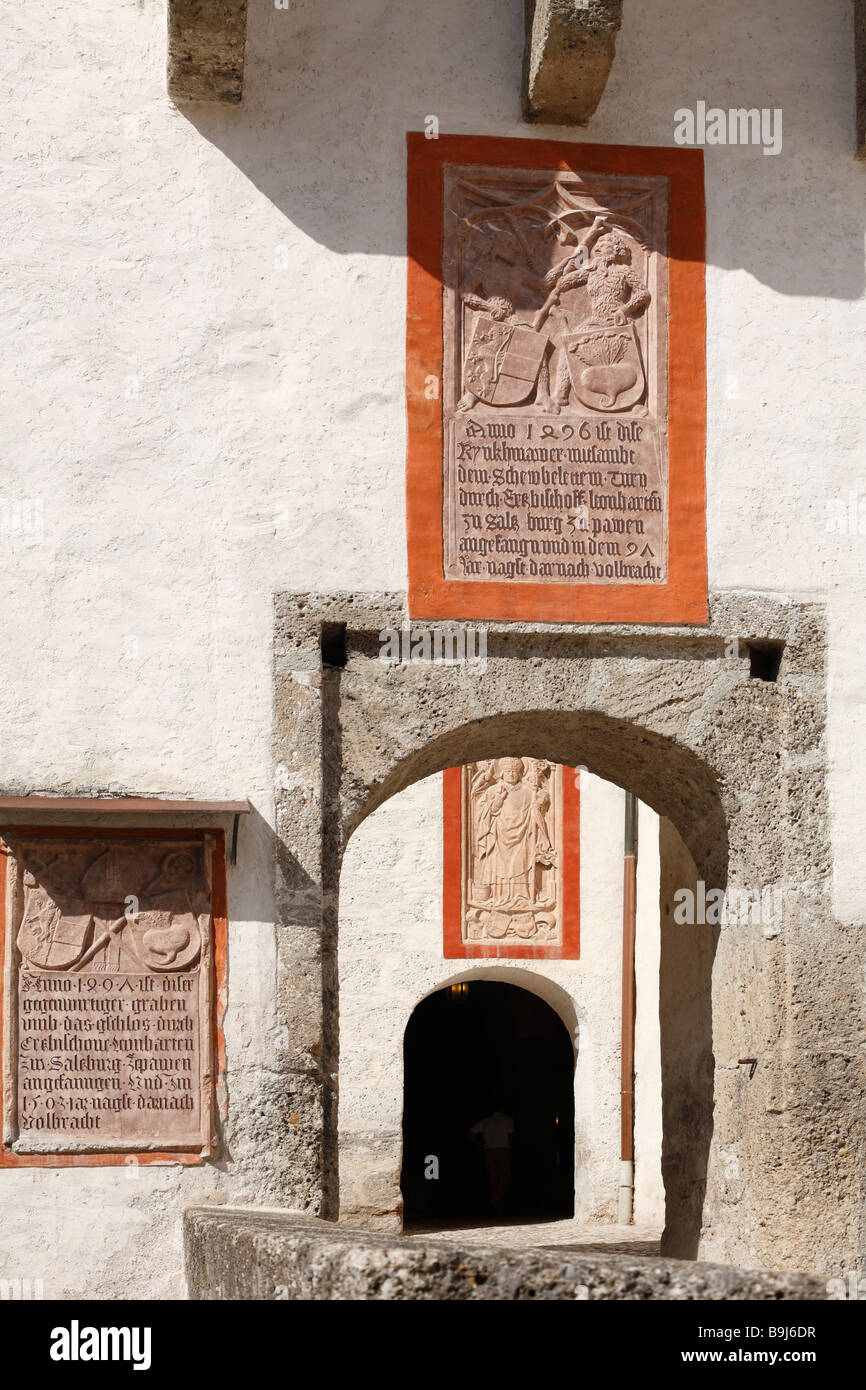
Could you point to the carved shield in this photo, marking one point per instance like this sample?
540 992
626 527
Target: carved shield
503 361
50 937
165 940
605 366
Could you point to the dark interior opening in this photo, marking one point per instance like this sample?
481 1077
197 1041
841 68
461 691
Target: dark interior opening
472 1050
765 659
333 643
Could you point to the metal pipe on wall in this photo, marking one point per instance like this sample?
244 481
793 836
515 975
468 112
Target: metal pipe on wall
629 914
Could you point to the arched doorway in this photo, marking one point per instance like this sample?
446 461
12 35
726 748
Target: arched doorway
488 1067
677 718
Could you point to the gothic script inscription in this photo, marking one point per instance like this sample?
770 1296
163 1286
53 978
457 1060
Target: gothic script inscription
512 852
555 387
108 994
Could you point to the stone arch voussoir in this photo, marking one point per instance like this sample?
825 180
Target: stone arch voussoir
661 770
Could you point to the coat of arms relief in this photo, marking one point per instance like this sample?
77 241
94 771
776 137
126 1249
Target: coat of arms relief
551 282
109 905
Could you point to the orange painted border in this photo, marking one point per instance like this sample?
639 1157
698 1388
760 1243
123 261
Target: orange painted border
219 916
454 948
684 597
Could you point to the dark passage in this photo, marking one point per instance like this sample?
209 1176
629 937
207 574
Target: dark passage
491 1054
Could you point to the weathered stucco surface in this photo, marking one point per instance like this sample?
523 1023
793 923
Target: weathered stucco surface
688 1065
203 376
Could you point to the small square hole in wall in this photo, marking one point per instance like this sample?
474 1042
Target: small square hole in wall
334 644
765 658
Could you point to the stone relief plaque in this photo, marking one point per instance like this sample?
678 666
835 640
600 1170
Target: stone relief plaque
555 376
512 835
512 860
108 994
556 382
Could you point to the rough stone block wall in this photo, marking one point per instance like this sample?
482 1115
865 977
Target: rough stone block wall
239 1255
206 40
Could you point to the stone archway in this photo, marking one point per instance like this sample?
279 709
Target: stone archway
735 764
392 955
606 746
658 768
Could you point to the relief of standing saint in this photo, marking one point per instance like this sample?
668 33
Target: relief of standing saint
513 854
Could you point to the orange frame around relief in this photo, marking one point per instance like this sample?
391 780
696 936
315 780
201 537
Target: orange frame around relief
454 947
219 917
683 598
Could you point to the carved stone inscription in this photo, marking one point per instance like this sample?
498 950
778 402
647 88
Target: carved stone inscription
555 390
512 851
108 974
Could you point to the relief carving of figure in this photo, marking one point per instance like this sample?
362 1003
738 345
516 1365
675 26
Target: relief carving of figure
604 367
517 353
512 890
615 293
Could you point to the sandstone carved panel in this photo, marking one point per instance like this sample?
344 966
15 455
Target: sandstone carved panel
511 860
555 376
108 993
513 851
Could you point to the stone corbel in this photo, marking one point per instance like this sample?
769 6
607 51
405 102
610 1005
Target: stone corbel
206 40
570 46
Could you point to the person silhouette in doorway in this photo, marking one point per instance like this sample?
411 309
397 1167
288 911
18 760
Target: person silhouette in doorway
493 1133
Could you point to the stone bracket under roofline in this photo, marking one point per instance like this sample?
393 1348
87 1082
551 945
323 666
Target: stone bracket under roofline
206 43
568 55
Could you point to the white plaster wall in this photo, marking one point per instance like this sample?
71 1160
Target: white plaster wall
391 957
203 402
649 1194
